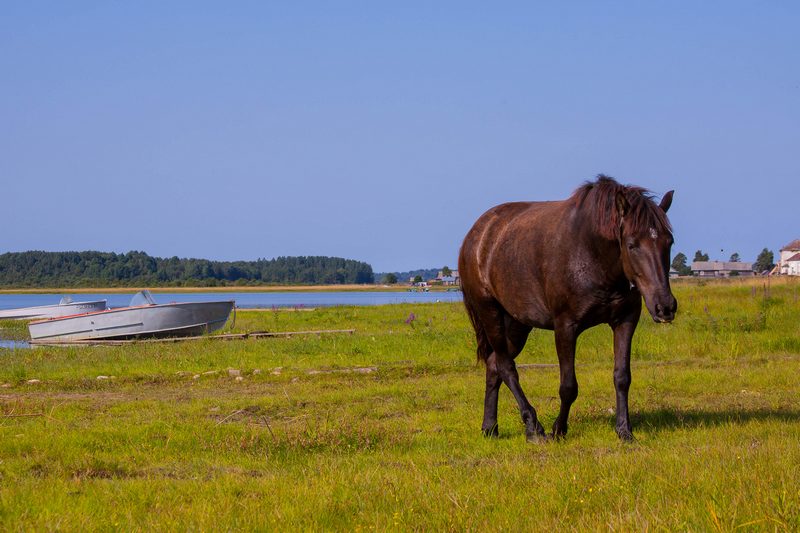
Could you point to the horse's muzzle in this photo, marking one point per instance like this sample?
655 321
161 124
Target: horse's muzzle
665 311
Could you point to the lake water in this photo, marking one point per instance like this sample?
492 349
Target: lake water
11 345
245 300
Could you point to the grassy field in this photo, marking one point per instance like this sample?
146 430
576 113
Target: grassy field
380 430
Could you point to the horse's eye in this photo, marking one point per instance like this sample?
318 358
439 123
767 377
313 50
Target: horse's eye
632 245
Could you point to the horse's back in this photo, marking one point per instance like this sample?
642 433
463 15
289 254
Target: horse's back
505 223
507 255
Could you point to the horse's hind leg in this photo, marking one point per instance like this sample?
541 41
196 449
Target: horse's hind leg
490 316
508 373
493 381
507 337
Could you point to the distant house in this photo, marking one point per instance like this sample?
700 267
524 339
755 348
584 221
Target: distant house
452 279
791 266
789 262
721 269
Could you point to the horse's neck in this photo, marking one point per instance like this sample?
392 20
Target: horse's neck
608 258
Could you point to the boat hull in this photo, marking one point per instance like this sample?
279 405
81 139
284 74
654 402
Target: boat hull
150 321
52 311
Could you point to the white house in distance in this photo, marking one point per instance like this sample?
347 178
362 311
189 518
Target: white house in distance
789 262
452 279
721 269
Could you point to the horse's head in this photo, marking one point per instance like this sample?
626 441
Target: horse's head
645 250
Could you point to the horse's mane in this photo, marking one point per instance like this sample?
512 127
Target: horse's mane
597 200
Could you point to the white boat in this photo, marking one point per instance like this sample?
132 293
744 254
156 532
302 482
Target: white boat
64 308
143 318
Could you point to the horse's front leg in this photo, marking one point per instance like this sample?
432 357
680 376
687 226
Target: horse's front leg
623 333
566 338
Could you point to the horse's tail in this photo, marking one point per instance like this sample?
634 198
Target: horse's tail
484 348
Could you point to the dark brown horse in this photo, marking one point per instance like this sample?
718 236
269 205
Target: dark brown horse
565 266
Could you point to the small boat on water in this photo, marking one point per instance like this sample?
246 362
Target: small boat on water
63 308
143 318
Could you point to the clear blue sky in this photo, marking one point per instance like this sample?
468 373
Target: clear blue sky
379 131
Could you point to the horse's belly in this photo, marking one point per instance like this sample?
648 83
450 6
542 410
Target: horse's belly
531 313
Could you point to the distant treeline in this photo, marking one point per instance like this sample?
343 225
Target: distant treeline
137 269
402 277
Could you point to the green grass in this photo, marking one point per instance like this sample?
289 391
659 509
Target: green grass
381 429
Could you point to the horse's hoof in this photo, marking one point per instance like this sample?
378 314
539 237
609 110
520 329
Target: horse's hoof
559 432
491 432
538 438
625 435
535 433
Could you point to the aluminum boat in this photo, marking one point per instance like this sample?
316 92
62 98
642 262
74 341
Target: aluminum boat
64 308
143 318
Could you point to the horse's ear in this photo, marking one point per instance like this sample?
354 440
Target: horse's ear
666 201
622 204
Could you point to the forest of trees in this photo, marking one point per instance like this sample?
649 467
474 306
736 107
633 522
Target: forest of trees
106 269
403 277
